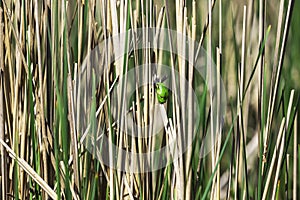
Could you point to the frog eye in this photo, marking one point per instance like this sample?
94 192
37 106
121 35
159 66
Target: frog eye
162 93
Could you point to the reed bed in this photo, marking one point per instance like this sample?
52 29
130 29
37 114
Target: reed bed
63 99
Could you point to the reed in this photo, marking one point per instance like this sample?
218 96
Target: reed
57 103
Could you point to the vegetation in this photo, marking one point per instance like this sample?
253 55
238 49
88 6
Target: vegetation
50 127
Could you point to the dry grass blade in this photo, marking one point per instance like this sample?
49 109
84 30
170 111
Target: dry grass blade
26 167
2 125
79 125
280 156
6 11
73 131
41 94
275 155
295 159
2 150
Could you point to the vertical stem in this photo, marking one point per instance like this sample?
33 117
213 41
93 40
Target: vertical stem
41 94
295 178
2 135
2 125
260 92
